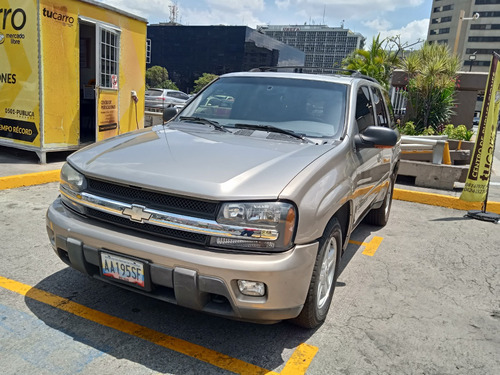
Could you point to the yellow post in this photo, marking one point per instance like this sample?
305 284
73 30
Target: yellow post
446 154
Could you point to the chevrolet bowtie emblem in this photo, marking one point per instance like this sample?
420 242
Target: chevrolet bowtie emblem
137 213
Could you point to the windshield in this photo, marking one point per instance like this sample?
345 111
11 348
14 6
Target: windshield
310 108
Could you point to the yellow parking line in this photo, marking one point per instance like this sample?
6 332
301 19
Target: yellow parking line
370 247
297 364
300 360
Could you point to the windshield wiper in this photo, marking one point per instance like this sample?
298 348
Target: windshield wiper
201 120
274 129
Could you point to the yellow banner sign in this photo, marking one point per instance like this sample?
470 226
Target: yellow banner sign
19 93
478 177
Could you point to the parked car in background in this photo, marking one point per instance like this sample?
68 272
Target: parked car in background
476 118
164 98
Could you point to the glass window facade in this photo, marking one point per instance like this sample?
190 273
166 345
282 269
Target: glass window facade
189 51
325 47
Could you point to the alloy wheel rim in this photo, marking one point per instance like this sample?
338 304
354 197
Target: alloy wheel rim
328 263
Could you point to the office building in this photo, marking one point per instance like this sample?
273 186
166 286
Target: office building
473 38
324 46
189 51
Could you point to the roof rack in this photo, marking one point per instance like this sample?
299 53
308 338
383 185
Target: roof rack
315 70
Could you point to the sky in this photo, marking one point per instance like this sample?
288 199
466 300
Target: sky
407 18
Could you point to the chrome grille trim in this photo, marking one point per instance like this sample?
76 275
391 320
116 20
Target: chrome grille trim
170 220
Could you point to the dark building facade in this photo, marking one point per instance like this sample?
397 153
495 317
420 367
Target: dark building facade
189 51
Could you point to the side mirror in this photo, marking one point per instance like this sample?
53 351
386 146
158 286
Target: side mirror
376 137
169 113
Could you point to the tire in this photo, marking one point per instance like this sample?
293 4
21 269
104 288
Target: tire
380 216
323 279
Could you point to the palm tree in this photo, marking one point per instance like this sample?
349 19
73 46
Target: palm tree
377 62
432 73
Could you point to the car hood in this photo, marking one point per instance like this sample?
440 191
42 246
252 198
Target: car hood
196 160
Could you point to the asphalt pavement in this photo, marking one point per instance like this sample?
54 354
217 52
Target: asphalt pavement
404 303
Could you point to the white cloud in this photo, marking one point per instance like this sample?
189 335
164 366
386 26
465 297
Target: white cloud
282 4
369 17
219 17
223 12
350 9
410 33
143 8
377 24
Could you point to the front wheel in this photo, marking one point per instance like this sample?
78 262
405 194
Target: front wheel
323 279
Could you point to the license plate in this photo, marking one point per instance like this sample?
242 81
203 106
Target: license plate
124 269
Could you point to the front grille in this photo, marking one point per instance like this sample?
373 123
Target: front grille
151 199
196 238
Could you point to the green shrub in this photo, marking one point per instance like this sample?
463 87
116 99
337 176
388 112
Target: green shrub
408 128
429 131
449 130
460 132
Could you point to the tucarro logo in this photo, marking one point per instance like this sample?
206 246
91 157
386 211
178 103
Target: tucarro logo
61 17
16 18
2 38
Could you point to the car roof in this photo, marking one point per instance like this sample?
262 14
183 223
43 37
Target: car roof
334 78
165 90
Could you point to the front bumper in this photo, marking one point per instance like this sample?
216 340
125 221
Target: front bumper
187 275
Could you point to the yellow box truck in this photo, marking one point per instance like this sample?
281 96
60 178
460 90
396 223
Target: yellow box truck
71 73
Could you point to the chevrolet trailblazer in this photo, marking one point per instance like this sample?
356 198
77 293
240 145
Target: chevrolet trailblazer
240 206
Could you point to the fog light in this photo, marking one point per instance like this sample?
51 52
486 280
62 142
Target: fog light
252 288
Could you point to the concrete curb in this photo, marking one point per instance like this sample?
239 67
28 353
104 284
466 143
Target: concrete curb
443 201
29 179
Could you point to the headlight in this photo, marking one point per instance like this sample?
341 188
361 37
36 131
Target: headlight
72 179
255 220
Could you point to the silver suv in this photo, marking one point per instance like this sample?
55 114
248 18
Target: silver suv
164 98
241 205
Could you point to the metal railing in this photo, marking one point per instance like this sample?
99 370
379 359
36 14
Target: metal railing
437 144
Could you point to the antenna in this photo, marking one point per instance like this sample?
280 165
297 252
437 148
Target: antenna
174 10
324 10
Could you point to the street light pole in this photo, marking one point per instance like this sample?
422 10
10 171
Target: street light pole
472 58
462 18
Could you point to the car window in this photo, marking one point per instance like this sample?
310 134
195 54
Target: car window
380 108
364 109
154 92
309 107
177 95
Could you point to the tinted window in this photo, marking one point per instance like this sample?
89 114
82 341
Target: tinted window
178 95
154 92
364 109
380 109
